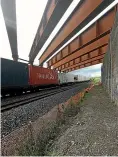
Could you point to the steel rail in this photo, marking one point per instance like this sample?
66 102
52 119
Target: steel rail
11 105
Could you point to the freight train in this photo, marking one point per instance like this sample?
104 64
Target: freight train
17 77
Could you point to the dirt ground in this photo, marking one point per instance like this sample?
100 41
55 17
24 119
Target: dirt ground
94 130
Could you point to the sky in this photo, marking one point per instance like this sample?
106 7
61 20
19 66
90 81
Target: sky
29 13
5 50
91 71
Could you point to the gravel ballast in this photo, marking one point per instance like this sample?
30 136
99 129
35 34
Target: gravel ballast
17 117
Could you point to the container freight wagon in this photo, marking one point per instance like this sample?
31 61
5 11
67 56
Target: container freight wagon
17 77
65 78
14 76
82 78
39 76
62 78
76 78
70 78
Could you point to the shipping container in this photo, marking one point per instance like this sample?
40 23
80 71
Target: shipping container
83 78
70 77
62 78
13 74
76 78
65 78
39 76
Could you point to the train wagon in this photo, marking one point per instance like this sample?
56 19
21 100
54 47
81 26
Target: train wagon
76 78
14 76
40 76
65 78
17 77
62 78
70 78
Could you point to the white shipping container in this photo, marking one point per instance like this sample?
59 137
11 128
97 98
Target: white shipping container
65 78
62 78
75 78
70 77
83 78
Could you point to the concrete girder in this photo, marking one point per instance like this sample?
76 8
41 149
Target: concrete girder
85 13
53 12
9 13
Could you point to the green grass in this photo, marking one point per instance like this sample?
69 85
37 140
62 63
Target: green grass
95 80
43 142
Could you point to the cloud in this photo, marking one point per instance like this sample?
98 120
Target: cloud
29 14
96 74
5 48
91 71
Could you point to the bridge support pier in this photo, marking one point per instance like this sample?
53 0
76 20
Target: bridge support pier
110 65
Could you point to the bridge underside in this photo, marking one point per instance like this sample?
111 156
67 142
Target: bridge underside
53 12
86 49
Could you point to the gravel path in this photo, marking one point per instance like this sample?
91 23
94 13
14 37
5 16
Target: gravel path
21 115
94 131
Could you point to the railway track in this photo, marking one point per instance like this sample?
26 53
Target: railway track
32 98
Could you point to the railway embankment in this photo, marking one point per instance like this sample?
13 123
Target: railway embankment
86 124
18 116
94 130
18 123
